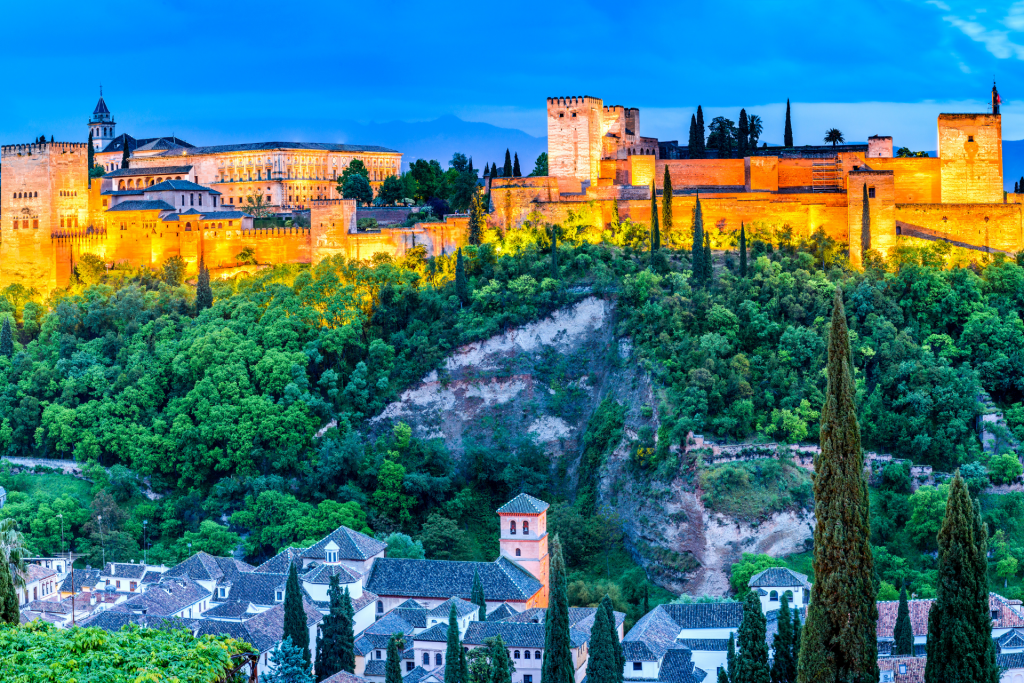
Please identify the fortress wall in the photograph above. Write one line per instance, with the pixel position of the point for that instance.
(512, 199)
(971, 157)
(331, 222)
(701, 172)
(795, 172)
(917, 179)
(761, 173)
(997, 226)
(881, 212)
(574, 137)
(642, 170)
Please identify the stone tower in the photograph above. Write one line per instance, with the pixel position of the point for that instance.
(101, 125)
(524, 538)
(575, 138)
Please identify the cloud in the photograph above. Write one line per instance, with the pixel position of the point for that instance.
(996, 40)
(941, 5)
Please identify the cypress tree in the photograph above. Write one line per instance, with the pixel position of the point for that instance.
(960, 647)
(204, 295)
(6, 338)
(903, 635)
(700, 133)
(295, 626)
(697, 246)
(647, 597)
(743, 135)
(784, 660)
(752, 661)
(451, 655)
(125, 153)
(347, 635)
(329, 639)
(501, 665)
(788, 134)
(461, 283)
(666, 206)
(692, 147)
(1021, 183)
(620, 656)
(865, 225)
(842, 616)
(601, 662)
(393, 665)
(655, 231)
(554, 252)
(797, 630)
(91, 160)
(506, 171)
(476, 220)
(557, 666)
(1016, 187)
(730, 657)
(743, 250)
(477, 596)
(516, 173)
(8, 597)
(707, 262)
(723, 677)
(463, 666)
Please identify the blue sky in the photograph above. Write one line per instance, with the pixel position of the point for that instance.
(214, 72)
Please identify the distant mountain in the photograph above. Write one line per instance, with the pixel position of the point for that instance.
(1013, 163)
(441, 138)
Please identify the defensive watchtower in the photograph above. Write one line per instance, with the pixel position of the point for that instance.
(524, 537)
(101, 125)
(575, 138)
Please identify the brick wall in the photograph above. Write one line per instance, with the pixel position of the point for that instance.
(701, 172)
(994, 226)
(574, 137)
(917, 179)
(761, 174)
(971, 155)
(879, 146)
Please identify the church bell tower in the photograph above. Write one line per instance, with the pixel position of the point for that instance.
(101, 125)
(524, 539)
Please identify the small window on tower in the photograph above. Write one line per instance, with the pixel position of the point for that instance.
(871, 193)
(561, 116)
(970, 138)
(574, 114)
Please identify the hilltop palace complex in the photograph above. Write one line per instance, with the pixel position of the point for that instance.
(176, 199)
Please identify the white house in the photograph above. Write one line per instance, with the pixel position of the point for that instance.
(771, 584)
(681, 641)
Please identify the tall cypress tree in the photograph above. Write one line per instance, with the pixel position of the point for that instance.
(784, 660)
(743, 135)
(125, 153)
(328, 635)
(204, 295)
(6, 339)
(476, 219)
(554, 252)
(797, 630)
(839, 641)
(730, 657)
(788, 134)
(691, 146)
(700, 133)
(743, 250)
(8, 597)
(903, 634)
(461, 283)
(477, 596)
(393, 664)
(347, 635)
(697, 246)
(516, 173)
(666, 206)
(295, 626)
(463, 666)
(601, 662)
(655, 230)
(752, 661)
(706, 261)
(506, 171)
(620, 655)
(960, 647)
(451, 655)
(501, 664)
(557, 666)
(91, 160)
(865, 225)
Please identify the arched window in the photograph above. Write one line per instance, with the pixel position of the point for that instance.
(526, 528)
(518, 552)
(536, 654)
(515, 655)
(188, 227)
(426, 659)
(512, 527)
(774, 596)
(437, 659)
(526, 654)
(36, 194)
(380, 607)
(789, 596)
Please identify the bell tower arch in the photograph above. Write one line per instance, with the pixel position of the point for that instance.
(524, 538)
(101, 125)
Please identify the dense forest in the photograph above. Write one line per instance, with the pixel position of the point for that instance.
(247, 422)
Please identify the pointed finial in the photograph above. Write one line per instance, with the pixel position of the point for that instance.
(101, 91)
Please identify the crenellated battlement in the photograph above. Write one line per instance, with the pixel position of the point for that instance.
(574, 101)
(42, 148)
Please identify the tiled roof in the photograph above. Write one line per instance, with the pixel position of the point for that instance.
(914, 667)
(205, 567)
(678, 667)
(417, 616)
(706, 615)
(352, 545)
(365, 599)
(415, 676)
(462, 608)
(502, 580)
(779, 577)
(321, 574)
(123, 193)
(264, 630)
(346, 677)
(435, 634)
(152, 577)
(1014, 660)
(165, 598)
(178, 185)
(118, 143)
(142, 205)
(33, 572)
(705, 644)
(375, 667)
(124, 570)
(366, 643)
(269, 146)
(142, 170)
(54, 606)
(651, 636)
(1007, 613)
(524, 504)
(1012, 639)
(280, 563)
(257, 588)
(228, 610)
(502, 611)
(114, 620)
(513, 633)
(389, 624)
(101, 108)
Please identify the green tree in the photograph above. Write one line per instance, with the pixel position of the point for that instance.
(706, 261)
(784, 659)
(554, 252)
(295, 626)
(787, 136)
(204, 294)
(355, 167)
(393, 665)
(392, 191)
(666, 207)
(477, 597)
(697, 246)
(516, 173)
(125, 153)
(834, 135)
(501, 664)
(730, 657)
(722, 134)
(477, 218)
(613, 634)
(444, 540)
(346, 633)
(752, 661)
(506, 170)
(6, 338)
(8, 597)
(842, 616)
(540, 167)
(692, 148)
(402, 546)
(743, 250)
(960, 647)
(557, 666)
(212, 538)
(174, 271)
(90, 269)
(743, 138)
(335, 641)
(602, 662)
(700, 133)
(903, 634)
(461, 282)
(289, 665)
(358, 188)
(451, 656)
(756, 126)
(389, 498)
(655, 230)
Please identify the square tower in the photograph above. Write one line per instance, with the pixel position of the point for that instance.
(971, 158)
(524, 537)
(575, 138)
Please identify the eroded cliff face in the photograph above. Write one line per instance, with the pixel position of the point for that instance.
(542, 382)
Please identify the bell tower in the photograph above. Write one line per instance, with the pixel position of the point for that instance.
(524, 538)
(101, 125)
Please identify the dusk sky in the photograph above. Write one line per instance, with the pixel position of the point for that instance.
(218, 72)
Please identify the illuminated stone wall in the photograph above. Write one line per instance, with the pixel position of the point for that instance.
(761, 174)
(991, 226)
(880, 146)
(917, 179)
(701, 173)
(882, 211)
(574, 137)
(642, 170)
(971, 155)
